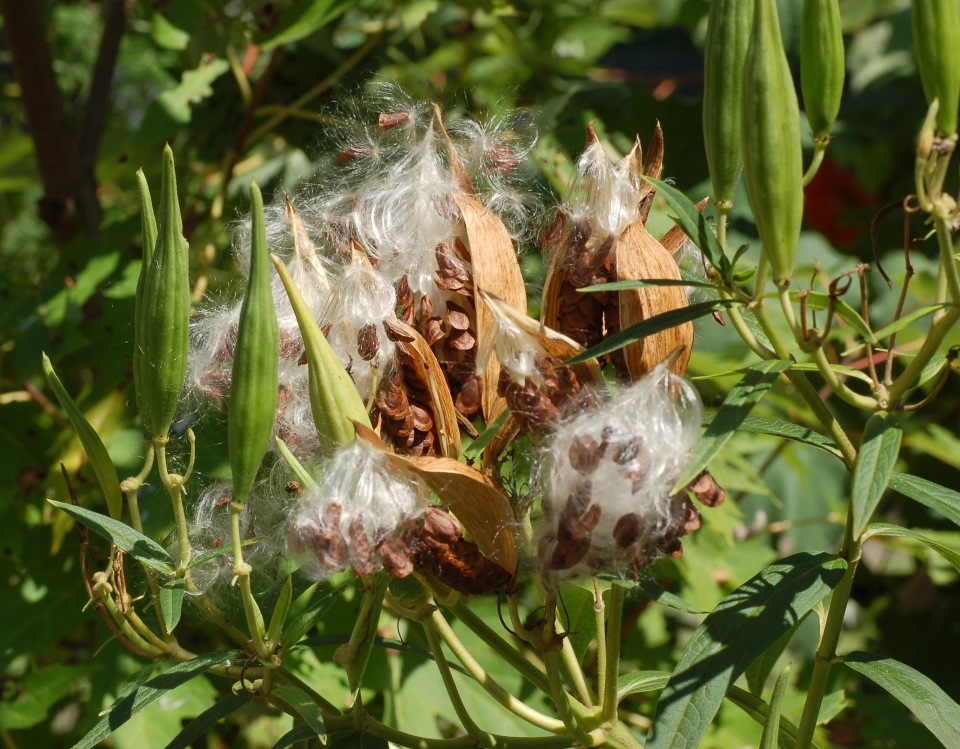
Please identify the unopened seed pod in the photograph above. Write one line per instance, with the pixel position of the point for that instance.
(334, 400)
(164, 325)
(149, 239)
(822, 64)
(728, 33)
(253, 389)
(936, 42)
(770, 132)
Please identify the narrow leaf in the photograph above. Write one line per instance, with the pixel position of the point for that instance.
(736, 407)
(796, 366)
(760, 669)
(303, 623)
(741, 627)
(475, 449)
(302, 732)
(928, 702)
(886, 530)
(757, 709)
(171, 601)
(92, 444)
(641, 681)
(785, 429)
(936, 497)
(123, 709)
(280, 610)
(906, 320)
(197, 727)
(302, 19)
(307, 709)
(655, 324)
(878, 455)
(642, 284)
(691, 220)
(771, 729)
(135, 544)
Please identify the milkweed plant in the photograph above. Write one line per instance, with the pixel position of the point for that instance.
(399, 423)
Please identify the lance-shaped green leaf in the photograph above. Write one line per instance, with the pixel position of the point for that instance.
(198, 727)
(133, 543)
(164, 325)
(334, 399)
(280, 610)
(760, 669)
(928, 702)
(887, 530)
(758, 709)
(936, 497)
(475, 449)
(304, 622)
(146, 694)
(741, 627)
(642, 284)
(692, 221)
(92, 444)
(647, 586)
(148, 233)
(878, 455)
(655, 324)
(736, 407)
(305, 707)
(785, 429)
(171, 601)
(641, 681)
(771, 729)
(917, 314)
(253, 389)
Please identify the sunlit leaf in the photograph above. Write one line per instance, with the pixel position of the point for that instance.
(887, 530)
(691, 220)
(878, 455)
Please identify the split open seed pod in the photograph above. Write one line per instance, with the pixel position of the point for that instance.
(605, 240)
(493, 265)
(480, 506)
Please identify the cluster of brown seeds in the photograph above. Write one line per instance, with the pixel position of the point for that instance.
(538, 407)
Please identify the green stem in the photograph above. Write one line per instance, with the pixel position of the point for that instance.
(506, 651)
(496, 691)
(827, 650)
(464, 742)
(722, 226)
(575, 672)
(129, 632)
(242, 572)
(482, 737)
(819, 148)
(948, 263)
(931, 344)
(561, 700)
(830, 377)
(174, 485)
(599, 613)
(611, 674)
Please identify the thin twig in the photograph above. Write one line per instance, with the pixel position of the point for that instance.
(908, 210)
(863, 269)
(951, 356)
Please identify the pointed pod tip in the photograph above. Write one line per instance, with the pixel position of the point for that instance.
(591, 134)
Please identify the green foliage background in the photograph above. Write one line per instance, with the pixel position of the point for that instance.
(622, 63)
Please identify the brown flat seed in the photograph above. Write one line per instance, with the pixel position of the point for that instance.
(580, 527)
(389, 120)
(673, 547)
(360, 553)
(433, 330)
(625, 453)
(499, 159)
(421, 418)
(447, 284)
(352, 152)
(468, 399)
(554, 233)
(465, 341)
(396, 556)
(627, 530)
(426, 307)
(462, 249)
(368, 343)
(456, 317)
(692, 520)
(441, 525)
(291, 346)
(706, 489)
(584, 454)
(566, 555)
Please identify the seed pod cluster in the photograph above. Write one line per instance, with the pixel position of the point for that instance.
(600, 237)
(607, 475)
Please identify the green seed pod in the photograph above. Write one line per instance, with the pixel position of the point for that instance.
(253, 389)
(770, 130)
(164, 325)
(334, 399)
(149, 234)
(92, 444)
(936, 42)
(728, 33)
(822, 64)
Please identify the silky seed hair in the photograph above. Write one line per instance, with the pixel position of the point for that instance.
(360, 501)
(616, 460)
(603, 193)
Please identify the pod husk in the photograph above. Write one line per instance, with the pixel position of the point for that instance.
(429, 371)
(641, 256)
(480, 506)
(493, 264)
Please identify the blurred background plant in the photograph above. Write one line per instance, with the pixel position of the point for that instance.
(89, 91)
